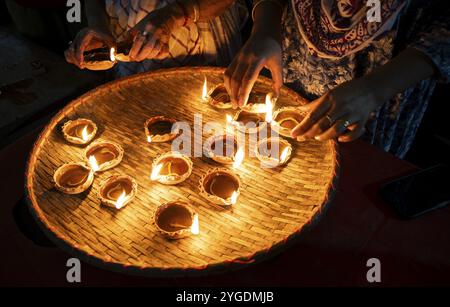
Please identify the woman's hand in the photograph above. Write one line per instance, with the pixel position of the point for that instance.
(151, 34)
(341, 113)
(87, 39)
(259, 51)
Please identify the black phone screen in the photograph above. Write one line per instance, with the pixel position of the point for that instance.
(420, 192)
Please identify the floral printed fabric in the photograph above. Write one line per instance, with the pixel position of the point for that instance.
(393, 126)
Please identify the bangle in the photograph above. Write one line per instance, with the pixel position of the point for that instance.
(261, 1)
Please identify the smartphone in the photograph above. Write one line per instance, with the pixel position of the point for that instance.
(420, 192)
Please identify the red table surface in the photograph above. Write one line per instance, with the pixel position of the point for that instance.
(358, 225)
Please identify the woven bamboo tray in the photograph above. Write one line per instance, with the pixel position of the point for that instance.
(272, 210)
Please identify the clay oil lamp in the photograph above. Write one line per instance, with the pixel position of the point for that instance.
(73, 178)
(171, 168)
(286, 119)
(225, 149)
(176, 220)
(158, 129)
(257, 102)
(105, 58)
(117, 191)
(103, 155)
(218, 97)
(220, 186)
(273, 152)
(80, 131)
(248, 122)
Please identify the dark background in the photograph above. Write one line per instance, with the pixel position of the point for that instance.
(44, 23)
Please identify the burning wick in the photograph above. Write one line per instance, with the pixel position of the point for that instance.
(112, 54)
(93, 163)
(84, 134)
(238, 158)
(195, 229)
(269, 107)
(284, 155)
(149, 139)
(121, 200)
(233, 198)
(155, 172)
(205, 90)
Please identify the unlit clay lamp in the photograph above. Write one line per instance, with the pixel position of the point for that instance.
(225, 149)
(286, 119)
(73, 178)
(117, 191)
(220, 186)
(176, 220)
(103, 155)
(79, 131)
(171, 168)
(158, 129)
(273, 152)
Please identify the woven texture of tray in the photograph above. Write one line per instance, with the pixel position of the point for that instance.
(273, 208)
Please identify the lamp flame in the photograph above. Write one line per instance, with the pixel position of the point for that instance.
(205, 90)
(84, 134)
(195, 228)
(149, 138)
(93, 163)
(112, 54)
(284, 154)
(269, 108)
(233, 199)
(229, 118)
(238, 158)
(121, 200)
(155, 172)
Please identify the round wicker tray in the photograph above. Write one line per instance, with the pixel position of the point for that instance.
(272, 210)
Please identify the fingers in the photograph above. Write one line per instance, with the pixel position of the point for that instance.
(227, 79)
(354, 133)
(318, 109)
(138, 42)
(338, 128)
(276, 69)
(245, 85)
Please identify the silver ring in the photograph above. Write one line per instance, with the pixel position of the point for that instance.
(346, 124)
(329, 120)
(145, 33)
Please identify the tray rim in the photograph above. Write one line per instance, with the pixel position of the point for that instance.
(213, 268)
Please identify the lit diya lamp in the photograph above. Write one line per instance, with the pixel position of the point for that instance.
(286, 119)
(73, 178)
(105, 58)
(218, 97)
(220, 186)
(103, 155)
(273, 152)
(251, 122)
(117, 191)
(171, 168)
(225, 149)
(158, 129)
(258, 102)
(176, 220)
(80, 131)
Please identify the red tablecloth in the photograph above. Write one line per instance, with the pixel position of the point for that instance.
(358, 225)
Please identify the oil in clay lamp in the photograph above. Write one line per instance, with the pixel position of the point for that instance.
(117, 191)
(286, 119)
(273, 152)
(171, 168)
(158, 129)
(175, 220)
(103, 155)
(80, 131)
(225, 149)
(220, 186)
(73, 178)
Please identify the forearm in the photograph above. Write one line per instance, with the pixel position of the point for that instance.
(405, 70)
(96, 14)
(267, 18)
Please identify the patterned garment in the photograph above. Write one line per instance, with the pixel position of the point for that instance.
(315, 63)
(204, 43)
